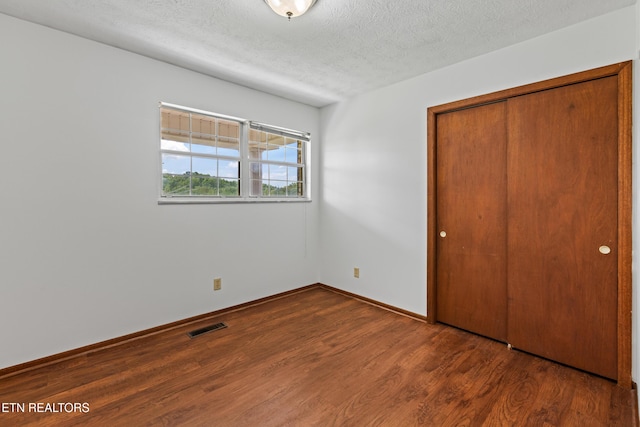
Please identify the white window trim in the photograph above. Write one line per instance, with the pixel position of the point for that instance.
(245, 184)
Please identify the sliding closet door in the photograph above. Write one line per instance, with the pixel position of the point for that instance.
(471, 242)
(562, 224)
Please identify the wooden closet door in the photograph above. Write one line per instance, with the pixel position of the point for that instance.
(562, 221)
(471, 202)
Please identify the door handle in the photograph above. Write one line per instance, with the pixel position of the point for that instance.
(443, 233)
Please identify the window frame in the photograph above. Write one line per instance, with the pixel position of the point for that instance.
(274, 133)
(244, 161)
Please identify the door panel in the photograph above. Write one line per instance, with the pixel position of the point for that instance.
(471, 210)
(562, 207)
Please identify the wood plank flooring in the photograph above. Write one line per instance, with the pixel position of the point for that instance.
(315, 358)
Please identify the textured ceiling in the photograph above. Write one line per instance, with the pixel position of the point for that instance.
(340, 48)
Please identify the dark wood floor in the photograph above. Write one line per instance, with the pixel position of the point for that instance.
(316, 358)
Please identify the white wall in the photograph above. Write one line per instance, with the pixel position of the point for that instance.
(373, 211)
(86, 253)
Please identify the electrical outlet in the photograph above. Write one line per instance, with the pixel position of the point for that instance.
(217, 284)
(356, 272)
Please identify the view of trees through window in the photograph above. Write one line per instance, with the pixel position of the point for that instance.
(198, 184)
(206, 185)
(202, 156)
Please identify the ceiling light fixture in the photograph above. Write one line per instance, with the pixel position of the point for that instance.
(290, 8)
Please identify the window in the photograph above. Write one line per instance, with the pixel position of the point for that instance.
(276, 162)
(210, 157)
(200, 154)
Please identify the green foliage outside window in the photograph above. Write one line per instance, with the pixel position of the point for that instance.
(207, 185)
(200, 184)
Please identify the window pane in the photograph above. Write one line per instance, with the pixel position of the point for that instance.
(204, 125)
(228, 138)
(228, 129)
(228, 169)
(294, 189)
(278, 188)
(203, 144)
(254, 170)
(176, 174)
(175, 130)
(275, 139)
(294, 152)
(175, 144)
(228, 147)
(257, 136)
(205, 166)
(175, 121)
(175, 185)
(229, 187)
(257, 187)
(204, 185)
(256, 150)
(203, 134)
(277, 172)
(176, 164)
(275, 153)
(204, 179)
(294, 173)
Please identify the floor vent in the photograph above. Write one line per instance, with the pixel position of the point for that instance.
(206, 329)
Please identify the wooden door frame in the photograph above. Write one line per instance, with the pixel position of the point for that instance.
(623, 71)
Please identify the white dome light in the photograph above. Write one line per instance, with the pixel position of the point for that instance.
(290, 8)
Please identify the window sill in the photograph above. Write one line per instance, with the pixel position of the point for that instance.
(226, 200)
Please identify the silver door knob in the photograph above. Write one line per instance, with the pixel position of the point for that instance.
(443, 233)
(604, 250)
